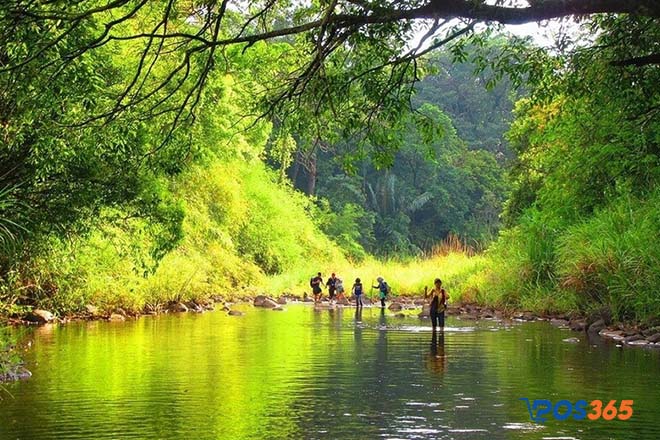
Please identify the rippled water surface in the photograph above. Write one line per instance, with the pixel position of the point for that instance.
(310, 374)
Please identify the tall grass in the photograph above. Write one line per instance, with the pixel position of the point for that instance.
(613, 259)
(610, 261)
(406, 277)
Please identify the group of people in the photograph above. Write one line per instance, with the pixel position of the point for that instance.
(438, 295)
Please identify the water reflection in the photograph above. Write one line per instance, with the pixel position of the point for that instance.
(336, 374)
(436, 361)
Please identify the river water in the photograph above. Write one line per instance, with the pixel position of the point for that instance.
(325, 374)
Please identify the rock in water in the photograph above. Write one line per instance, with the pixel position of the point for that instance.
(117, 317)
(177, 308)
(633, 338)
(571, 340)
(40, 316)
(654, 338)
(561, 323)
(194, 307)
(577, 325)
(278, 309)
(395, 307)
(264, 301)
(235, 313)
(638, 342)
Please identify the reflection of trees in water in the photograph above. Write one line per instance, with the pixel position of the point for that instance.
(436, 360)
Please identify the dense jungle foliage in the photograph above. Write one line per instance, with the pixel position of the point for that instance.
(114, 196)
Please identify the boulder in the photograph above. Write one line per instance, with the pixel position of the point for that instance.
(91, 310)
(194, 307)
(638, 342)
(651, 331)
(265, 302)
(268, 304)
(40, 316)
(281, 300)
(654, 338)
(617, 335)
(597, 326)
(633, 338)
(419, 302)
(259, 300)
(528, 316)
(177, 308)
(577, 325)
(561, 323)
(395, 307)
(116, 317)
(235, 313)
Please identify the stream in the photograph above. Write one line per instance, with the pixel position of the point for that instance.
(329, 374)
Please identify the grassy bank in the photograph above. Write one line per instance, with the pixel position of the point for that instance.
(406, 277)
(241, 226)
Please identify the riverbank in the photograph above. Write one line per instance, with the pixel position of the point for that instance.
(592, 327)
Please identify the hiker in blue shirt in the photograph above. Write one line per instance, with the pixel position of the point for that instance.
(383, 289)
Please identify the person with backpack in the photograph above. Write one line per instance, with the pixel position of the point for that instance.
(332, 286)
(315, 283)
(438, 297)
(383, 289)
(339, 284)
(357, 291)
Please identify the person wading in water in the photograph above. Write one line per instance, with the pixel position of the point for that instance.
(438, 297)
(315, 284)
(332, 286)
(383, 290)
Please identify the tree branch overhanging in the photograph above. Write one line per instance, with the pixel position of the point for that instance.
(328, 27)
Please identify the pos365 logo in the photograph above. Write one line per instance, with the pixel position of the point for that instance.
(565, 409)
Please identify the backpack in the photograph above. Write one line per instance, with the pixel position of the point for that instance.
(388, 289)
(311, 282)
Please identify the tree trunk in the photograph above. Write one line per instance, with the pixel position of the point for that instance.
(311, 175)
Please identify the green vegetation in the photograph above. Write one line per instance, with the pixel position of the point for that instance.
(149, 158)
(583, 210)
